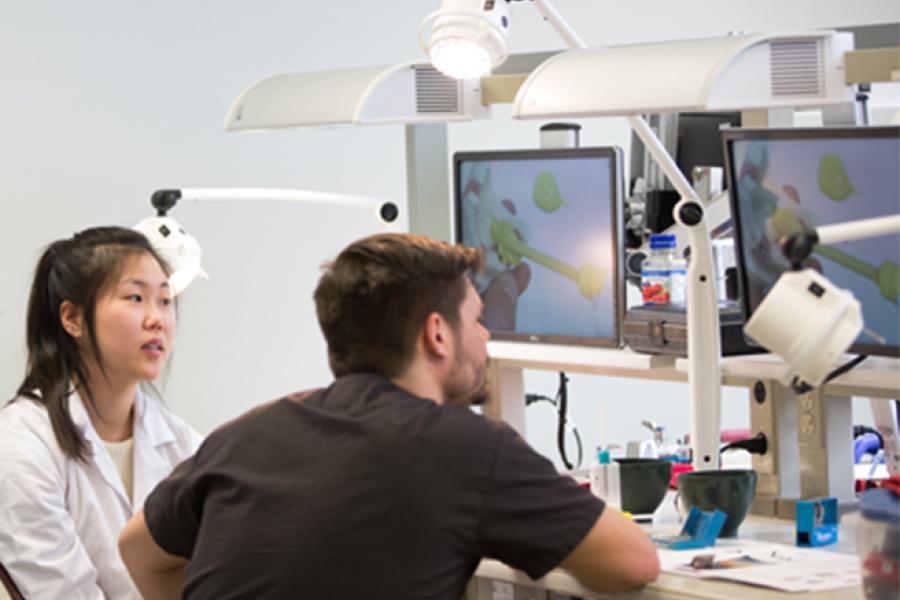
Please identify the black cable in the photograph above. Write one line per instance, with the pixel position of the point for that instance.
(579, 446)
(533, 398)
(801, 387)
(562, 407)
(844, 368)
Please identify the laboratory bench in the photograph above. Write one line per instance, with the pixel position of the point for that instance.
(494, 580)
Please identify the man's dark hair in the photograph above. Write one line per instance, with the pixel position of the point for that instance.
(372, 300)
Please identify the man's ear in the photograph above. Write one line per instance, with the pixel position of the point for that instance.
(437, 336)
(72, 319)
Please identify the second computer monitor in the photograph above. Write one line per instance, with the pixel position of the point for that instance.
(784, 181)
(549, 223)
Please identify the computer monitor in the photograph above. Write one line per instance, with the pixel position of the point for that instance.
(786, 180)
(549, 223)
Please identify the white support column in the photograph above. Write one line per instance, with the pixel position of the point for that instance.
(883, 412)
(428, 191)
(507, 396)
(773, 412)
(825, 439)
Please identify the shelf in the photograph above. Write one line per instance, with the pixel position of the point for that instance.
(582, 359)
(876, 377)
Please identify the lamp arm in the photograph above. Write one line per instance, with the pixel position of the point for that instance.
(855, 230)
(559, 24)
(164, 200)
(798, 247)
(704, 343)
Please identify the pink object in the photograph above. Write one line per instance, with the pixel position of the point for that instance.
(676, 469)
(734, 435)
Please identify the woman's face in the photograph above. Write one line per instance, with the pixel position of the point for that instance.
(134, 322)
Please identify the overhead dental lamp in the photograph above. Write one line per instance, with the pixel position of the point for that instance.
(467, 38)
(182, 251)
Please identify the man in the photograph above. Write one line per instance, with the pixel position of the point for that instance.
(385, 484)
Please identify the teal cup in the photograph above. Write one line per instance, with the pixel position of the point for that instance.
(643, 483)
(729, 490)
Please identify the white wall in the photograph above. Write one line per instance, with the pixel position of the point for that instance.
(102, 102)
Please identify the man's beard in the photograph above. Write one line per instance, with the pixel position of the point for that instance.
(458, 391)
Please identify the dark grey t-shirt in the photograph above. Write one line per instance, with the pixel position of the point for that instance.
(362, 490)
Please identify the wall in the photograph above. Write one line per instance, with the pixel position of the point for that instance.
(105, 101)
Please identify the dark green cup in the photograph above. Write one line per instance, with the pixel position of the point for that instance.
(643, 483)
(729, 490)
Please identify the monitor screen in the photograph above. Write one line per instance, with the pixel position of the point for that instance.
(785, 180)
(549, 224)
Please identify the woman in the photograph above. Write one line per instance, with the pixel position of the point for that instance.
(81, 446)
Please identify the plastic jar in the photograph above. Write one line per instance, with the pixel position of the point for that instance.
(878, 544)
(663, 274)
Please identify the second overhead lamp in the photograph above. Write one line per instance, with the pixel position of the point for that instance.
(467, 38)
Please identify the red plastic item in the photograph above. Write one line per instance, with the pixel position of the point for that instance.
(676, 469)
(892, 483)
(734, 435)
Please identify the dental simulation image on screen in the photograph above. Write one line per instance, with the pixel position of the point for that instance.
(786, 181)
(547, 223)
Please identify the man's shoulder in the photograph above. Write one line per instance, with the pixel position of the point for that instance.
(247, 424)
(254, 416)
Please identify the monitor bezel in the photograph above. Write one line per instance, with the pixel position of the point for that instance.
(616, 199)
(730, 136)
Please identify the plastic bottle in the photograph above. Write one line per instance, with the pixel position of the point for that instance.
(663, 274)
(613, 483)
(605, 479)
(598, 474)
(666, 449)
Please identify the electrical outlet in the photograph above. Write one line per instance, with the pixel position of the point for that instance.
(807, 424)
(806, 402)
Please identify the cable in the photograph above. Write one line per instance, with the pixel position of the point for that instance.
(758, 444)
(801, 387)
(562, 396)
(566, 422)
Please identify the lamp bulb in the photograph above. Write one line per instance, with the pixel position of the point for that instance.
(460, 58)
(465, 39)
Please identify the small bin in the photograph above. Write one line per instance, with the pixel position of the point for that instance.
(878, 544)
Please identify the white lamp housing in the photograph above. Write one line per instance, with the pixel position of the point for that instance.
(807, 321)
(406, 93)
(177, 247)
(739, 72)
(468, 38)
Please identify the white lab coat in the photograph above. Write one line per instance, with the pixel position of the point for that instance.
(60, 518)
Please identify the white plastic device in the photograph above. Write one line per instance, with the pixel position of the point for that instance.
(809, 322)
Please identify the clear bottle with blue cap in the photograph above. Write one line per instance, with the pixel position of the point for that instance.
(605, 481)
(663, 273)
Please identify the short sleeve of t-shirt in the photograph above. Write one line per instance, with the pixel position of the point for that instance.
(533, 517)
(172, 510)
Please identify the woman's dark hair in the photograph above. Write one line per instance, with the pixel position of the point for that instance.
(372, 301)
(78, 269)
